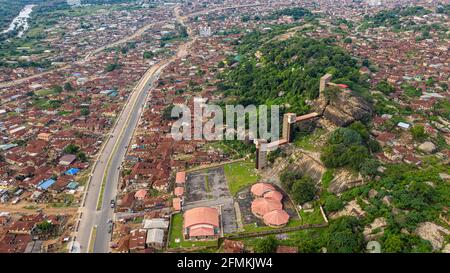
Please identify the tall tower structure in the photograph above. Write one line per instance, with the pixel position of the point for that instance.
(324, 82)
(261, 153)
(288, 126)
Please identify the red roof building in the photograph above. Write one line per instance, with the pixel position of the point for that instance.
(180, 178)
(276, 218)
(262, 206)
(259, 189)
(201, 223)
(274, 195)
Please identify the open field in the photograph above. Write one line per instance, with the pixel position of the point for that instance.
(240, 175)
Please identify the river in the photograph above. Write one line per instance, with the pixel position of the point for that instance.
(21, 21)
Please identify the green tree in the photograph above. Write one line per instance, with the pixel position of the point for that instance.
(385, 87)
(71, 149)
(84, 111)
(167, 113)
(288, 177)
(148, 54)
(266, 245)
(68, 86)
(57, 89)
(345, 236)
(303, 190)
(369, 167)
(81, 156)
(393, 244)
(45, 227)
(333, 203)
(418, 133)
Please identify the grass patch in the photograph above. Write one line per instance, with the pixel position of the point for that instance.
(44, 92)
(240, 175)
(254, 228)
(176, 232)
(207, 188)
(327, 177)
(92, 239)
(309, 218)
(102, 190)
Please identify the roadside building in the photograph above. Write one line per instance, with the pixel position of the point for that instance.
(201, 223)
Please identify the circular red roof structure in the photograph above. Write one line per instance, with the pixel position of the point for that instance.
(262, 206)
(276, 218)
(274, 195)
(259, 189)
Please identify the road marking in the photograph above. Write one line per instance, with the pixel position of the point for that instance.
(92, 239)
(153, 71)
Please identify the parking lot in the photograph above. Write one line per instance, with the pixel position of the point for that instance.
(209, 188)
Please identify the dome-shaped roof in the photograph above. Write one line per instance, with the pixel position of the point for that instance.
(276, 218)
(274, 195)
(259, 189)
(261, 206)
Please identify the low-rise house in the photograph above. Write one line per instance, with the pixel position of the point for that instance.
(66, 160)
(155, 238)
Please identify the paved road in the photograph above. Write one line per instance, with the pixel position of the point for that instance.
(110, 158)
(112, 154)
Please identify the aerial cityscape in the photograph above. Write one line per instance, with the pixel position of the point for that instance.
(224, 126)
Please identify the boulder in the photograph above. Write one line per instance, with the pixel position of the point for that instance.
(346, 109)
(372, 193)
(427, 147)
(387, 200)
(345, 180)
(433, 233)
(444, 176)
(446, 249)
(375, 229)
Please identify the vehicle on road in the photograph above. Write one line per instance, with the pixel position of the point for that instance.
(113, 203)
(110, 227)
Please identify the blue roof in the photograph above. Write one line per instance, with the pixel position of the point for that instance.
(72, 171)
(44, 185)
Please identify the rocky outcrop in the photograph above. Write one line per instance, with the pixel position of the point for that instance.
(351, 209)
(305, 161)
(344, 109)
(344, 180)
(375, 230)
(433, 233)
(427, 147)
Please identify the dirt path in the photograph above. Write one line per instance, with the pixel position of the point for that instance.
(22, 208)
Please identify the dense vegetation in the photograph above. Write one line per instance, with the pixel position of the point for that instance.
(393, 18)
(10, 9)
(288, 72)
(301, 187)
(351, 147)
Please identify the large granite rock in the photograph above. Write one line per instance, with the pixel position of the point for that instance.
(375, 230)
(344, 109)
(427, 147)
(433, 233)
(345, 180)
